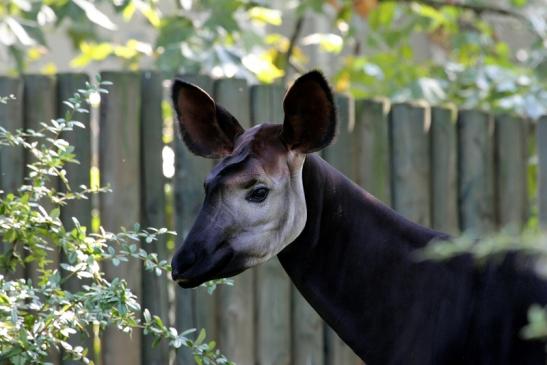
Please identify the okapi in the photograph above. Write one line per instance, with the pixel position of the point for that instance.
(350, 256)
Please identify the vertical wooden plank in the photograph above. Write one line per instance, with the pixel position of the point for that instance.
(12, 159)
(307, 329)
(12, 164)
(511, 155)
(410, 165)
(341, 155)
(371, 148)
(476, 172)
(154, 288)
(78, 175)
(273, 288)
(119, 161)
(195, 308)
(40, 99)
(542, 184)
(444, 170)
(236, 304)
(39, 91)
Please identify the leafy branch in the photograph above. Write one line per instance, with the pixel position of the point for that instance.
(292, 43)
(478, 9)
(41, 314)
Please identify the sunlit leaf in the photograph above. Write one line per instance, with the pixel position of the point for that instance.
(328, 42)
(35, 53)
(382, 15)
(7, 37)
(519, 3)
(129, 11)
(95, 15)
(436, 16)
(23, 4)
(265, 15)
(92, 52)
(49, 69)
(19, 32)
(46, 15)
(263, 67)
(151, 14)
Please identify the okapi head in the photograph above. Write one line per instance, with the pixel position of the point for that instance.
(254, 197)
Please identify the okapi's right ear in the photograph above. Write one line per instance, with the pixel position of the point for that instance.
(310, 115)
(207, 129)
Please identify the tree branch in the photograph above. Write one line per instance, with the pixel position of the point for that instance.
(292, 42)
(476, 8)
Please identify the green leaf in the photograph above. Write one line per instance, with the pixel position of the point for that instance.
(147, 316)
(382, 16)
(55, 213)
(265, 15)
(429, 12)
(201, 337)
(519, 3)
(174, 29)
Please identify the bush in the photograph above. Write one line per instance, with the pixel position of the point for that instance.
(41, 315)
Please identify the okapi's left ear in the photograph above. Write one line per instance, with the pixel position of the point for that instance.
(207, 129)
(310, 115)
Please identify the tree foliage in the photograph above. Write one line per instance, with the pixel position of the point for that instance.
(470, 63)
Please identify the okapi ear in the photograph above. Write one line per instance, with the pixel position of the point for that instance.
(310, 115)
(208, 130)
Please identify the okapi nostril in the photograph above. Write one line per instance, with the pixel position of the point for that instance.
(182, 263)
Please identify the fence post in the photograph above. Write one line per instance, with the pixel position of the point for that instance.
(542, 184)
(476, 172)
(511, 171)
(40, 93)
(236, 304)
(341, 156)
(273, 288)
(444, 170)
(307, 331)
(371, 148)
(78, 175)
(119, 161)
(195, 308)
(12, 159)
(410, 165)
(154, 287)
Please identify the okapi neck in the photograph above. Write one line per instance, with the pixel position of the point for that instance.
(353, 261)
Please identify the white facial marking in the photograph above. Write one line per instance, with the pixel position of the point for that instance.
(260, 230)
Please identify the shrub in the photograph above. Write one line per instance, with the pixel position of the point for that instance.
(41, 315)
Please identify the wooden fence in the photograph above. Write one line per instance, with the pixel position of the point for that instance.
(448, 170)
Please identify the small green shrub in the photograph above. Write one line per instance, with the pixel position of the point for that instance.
(39, 316)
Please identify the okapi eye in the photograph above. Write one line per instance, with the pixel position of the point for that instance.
(258, 195)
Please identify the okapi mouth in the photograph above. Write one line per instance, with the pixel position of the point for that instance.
(223, 268)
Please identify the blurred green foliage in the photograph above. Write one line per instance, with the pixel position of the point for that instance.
(374, 40)
(43, 314)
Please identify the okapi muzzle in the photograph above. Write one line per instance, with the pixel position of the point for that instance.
(254, 197)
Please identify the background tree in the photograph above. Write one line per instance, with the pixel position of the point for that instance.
(470, 62)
